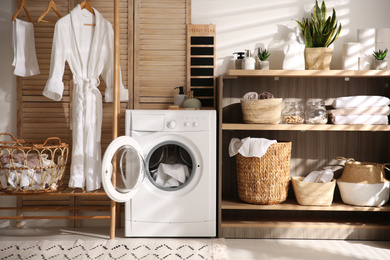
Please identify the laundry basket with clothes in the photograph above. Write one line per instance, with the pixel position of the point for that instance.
(263, 169)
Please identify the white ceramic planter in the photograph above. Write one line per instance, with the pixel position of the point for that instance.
(264, 65)
(362, 194)
(380, 64)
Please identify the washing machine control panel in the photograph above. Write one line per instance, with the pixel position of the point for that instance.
(187, 123)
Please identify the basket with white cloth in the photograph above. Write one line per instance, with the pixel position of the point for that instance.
(263, 178)
(30, 168)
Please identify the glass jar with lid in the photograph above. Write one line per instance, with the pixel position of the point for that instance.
(316, 113)
(293, 113)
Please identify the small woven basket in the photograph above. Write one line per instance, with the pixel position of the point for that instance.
(362, 172)
(32, 168)
(265, 180)
(313, 194)
(262, 111)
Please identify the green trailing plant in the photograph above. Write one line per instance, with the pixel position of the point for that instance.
(319, 31)
(263, 54)
(380, 54)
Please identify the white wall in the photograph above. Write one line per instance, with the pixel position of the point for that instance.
(246, 24)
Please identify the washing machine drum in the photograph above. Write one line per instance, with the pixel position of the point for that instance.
(123, 156)
(170, 166)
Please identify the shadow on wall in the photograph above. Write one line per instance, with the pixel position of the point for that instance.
(248, 24)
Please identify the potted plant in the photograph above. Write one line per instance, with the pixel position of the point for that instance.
(380, 62)
(263, 56)
(319, 33)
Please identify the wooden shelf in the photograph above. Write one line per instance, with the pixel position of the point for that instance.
(238, 219)
(305, 127)
(290, 224)
(62, 191)
(293, 205)
(310, 73)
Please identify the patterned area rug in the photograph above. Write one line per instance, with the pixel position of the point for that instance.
(144, 249)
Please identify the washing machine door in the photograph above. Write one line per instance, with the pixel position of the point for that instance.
(124, 156)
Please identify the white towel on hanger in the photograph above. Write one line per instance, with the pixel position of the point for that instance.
(25, 58)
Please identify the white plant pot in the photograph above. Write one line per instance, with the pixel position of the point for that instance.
(264, 65)
(380, 64)
(364, 194)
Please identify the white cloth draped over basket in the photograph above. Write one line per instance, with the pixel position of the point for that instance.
(249, 147)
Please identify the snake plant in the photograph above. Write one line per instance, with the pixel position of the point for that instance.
(380, 54)
(319, 31)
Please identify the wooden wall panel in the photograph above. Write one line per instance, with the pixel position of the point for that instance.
(159, 51)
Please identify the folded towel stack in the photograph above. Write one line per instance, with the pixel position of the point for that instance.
(360, 110)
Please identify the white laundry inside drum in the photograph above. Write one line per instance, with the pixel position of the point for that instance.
(170, 166)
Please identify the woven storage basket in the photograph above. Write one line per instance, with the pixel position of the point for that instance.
(313, 194)
(31, 168)
(362, 172)
(265, 180)
(261, 111)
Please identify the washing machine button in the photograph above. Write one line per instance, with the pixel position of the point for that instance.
(171, 124)
(187, 124)
(195, 124)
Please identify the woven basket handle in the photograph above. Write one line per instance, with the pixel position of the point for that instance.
(16, 140)
(40, 146)
(384, 166)
(344, 159)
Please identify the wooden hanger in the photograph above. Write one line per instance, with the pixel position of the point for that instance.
(22, 5)
(86, 5)
(51, 5)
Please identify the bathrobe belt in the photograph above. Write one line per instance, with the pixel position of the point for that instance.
(91, 87)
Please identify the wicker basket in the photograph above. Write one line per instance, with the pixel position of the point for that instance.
(313, 194)
(362, 172)
(262, 111)
(31, 168)
(265, 180)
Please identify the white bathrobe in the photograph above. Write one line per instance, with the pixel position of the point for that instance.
(89, 51)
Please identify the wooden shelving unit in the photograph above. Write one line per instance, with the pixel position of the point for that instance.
(314, 146)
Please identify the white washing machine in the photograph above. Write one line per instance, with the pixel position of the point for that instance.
(166, 173)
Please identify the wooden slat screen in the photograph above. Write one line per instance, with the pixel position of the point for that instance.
(159, 51)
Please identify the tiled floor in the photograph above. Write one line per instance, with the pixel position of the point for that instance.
(237, 249)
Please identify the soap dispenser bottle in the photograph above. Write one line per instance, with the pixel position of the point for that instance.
(238, 60)
(248, 63)
(192, 102)
(180, 98)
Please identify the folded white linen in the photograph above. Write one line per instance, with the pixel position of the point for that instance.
(250, 96)
(360, 101)
(360, 120)
(383, 110)
(171, 175)
(249, 147)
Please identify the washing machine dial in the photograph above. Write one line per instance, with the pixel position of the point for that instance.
(171, 124)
